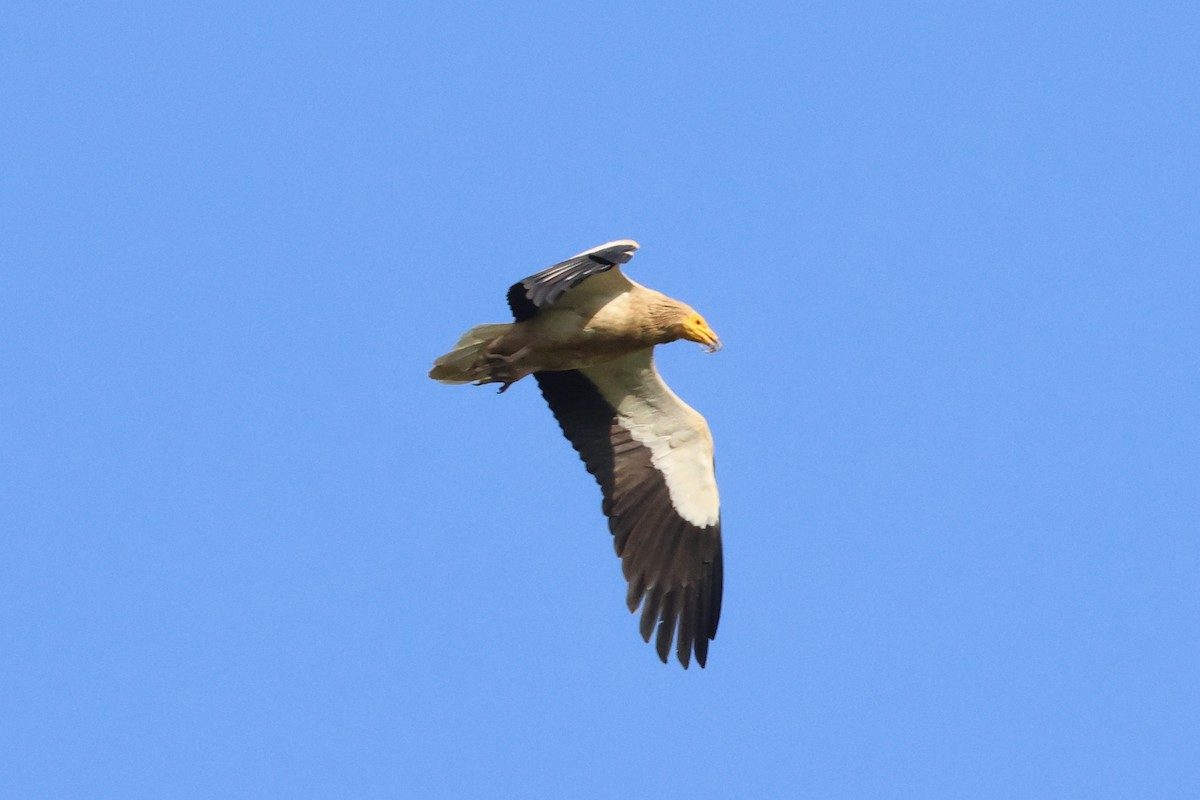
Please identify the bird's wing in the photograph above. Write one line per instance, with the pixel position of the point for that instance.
(546, 287)
(653, 458)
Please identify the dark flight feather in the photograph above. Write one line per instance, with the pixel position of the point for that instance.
(544, 288)
(674, 568)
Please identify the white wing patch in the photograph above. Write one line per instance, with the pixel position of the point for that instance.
(677, 435)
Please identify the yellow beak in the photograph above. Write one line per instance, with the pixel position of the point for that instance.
(698, 331)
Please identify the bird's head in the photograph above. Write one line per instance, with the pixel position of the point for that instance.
(695, 329)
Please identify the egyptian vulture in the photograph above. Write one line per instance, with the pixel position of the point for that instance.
(587, 334)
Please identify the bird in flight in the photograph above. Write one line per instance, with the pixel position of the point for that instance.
(587, 334)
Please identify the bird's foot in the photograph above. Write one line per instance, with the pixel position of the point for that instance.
(497, 368)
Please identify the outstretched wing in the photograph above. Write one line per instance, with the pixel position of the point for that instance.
(652, 456)
(546, 287)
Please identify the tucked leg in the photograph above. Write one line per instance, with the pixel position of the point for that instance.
(497, 368)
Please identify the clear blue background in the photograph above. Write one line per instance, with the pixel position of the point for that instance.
(250, 550)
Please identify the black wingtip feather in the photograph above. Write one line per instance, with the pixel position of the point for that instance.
(637, 589)
(686, 633)
(650, 608)
(666, 624)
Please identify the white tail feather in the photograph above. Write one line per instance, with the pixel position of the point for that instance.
(455, 366)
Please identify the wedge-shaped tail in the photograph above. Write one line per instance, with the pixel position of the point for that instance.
(455, 366)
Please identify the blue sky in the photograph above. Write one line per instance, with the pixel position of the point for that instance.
(250, 550)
